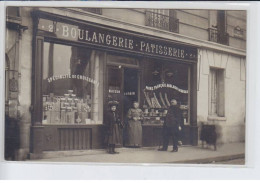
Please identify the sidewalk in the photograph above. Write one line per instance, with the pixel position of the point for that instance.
(186, 154)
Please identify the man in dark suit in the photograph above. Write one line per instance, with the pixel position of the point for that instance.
(171, 126)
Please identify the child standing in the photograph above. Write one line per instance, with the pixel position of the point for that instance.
(114, 124)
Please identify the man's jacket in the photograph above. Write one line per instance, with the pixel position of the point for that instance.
(173, 117)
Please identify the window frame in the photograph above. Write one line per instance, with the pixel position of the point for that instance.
(37, 72)
(170, 14)
(220, 93)
(215, 33)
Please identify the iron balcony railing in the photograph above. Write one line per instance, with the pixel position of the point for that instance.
(218, 37)
(161, 21)
(93, 10)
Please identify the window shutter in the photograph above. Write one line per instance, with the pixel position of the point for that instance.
(221, 93)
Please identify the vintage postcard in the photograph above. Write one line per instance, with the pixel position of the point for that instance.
(125, 85)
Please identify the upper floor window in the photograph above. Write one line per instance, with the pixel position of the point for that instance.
(216, 93)
(162, 19)
(13, 11)
(218, 30)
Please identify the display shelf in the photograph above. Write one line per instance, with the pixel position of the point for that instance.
(67, 109)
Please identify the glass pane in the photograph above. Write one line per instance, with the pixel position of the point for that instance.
(213, 75)
(162, 83)
(131, 82)
(114, 84)
(71, 84)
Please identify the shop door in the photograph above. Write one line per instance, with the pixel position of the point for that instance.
(131, 82)
(123, 86)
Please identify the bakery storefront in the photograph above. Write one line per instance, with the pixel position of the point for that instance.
(79, 66)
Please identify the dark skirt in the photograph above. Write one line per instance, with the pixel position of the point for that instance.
(134, 134)
(114, 135)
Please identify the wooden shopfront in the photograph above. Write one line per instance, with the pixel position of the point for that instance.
(79, 66)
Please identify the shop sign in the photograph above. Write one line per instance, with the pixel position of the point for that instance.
(118, 40)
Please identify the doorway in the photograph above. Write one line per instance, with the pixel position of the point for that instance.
(123, 86)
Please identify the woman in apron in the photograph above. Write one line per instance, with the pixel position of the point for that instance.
(134, 126)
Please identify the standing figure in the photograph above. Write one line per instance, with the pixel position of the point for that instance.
(171, 126)
(134, 126)
(113, 127)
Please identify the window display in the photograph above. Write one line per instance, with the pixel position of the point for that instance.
(72, 80)
(163, 82)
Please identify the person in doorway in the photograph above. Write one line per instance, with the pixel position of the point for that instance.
(134, 126)
(171, 126)
(113, 127)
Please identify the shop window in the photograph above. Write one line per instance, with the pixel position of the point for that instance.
(162, 19)
(217, 30)
(72, 85)
(164, 81)
(216, 92)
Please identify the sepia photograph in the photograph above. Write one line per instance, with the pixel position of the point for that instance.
(125, 85)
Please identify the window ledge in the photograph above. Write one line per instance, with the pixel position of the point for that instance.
(216, 118)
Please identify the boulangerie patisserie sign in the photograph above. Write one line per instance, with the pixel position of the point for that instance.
(111, 38)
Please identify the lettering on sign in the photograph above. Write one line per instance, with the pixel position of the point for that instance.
(113, 91)
(73, 76)
(129, 93)
(115, 39)
(166, 85)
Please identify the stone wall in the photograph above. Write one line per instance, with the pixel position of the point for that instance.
(231, 127)
(25, 83)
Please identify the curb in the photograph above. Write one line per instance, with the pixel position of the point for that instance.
(211, 160)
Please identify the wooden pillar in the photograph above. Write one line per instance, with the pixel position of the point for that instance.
(95, 93)
(37, 83)
(50, 68)
(36, 108)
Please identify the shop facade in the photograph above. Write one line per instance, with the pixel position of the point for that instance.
(82, 66)
(79, 62)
